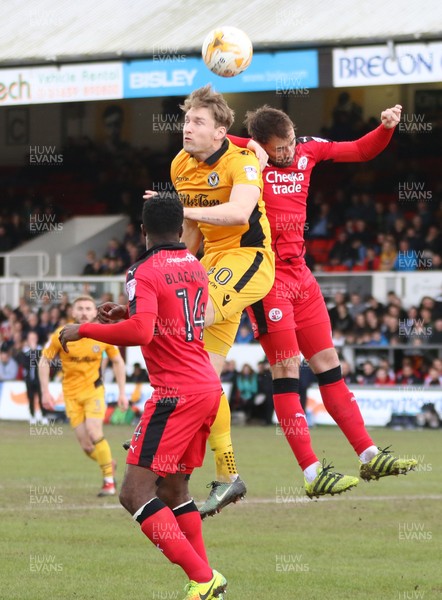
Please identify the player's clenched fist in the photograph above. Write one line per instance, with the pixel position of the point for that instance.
(391, 116)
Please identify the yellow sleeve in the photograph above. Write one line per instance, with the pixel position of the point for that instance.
(53, 346)
(111, 350)
(244, 168)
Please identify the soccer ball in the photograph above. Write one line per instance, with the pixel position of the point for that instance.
(227, 51)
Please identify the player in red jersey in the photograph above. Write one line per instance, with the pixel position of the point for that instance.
(168, 293)
(293, 317)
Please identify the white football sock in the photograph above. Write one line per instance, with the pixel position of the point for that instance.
(368, 454)
(311, 472)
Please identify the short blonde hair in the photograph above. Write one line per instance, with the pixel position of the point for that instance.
(206, 97)
(83, 298)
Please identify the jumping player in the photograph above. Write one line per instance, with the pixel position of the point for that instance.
(293, 317)
(220, 187)
(168, 295)
(83, 389)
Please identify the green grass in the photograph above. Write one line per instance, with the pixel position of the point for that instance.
(61, 542)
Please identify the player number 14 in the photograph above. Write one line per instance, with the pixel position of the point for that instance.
(192, 318)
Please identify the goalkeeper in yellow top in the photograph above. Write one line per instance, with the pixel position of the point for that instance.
(83, 389)
(220, 187)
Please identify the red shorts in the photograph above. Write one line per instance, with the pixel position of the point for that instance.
(172, 433)
(295, 305)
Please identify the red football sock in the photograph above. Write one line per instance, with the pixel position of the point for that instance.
(341, 404)
(189, 521)
(163, 530)
(292, 420)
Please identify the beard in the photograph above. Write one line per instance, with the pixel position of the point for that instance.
(281, 163)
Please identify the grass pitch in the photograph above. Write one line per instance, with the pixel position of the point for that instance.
(380, 541)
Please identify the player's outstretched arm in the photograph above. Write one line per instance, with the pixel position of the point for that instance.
(43, 373)
(109, 312)
(192, 236)
(242, 201)
(120, 376)
(390, 117)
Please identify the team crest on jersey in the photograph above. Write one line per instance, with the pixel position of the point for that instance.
(130, 288)
(275, 314)
(96, 348)
(251, 173)
(302, 163)
(213, 179)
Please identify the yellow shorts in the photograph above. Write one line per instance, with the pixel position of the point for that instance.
(89, 407)
(237, 279)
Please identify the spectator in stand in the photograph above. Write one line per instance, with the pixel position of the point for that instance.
(382, 377)
(347, 373)
(392, 215)
(373, 303)
(342, 320)
(322, 226)
(139, 375)
(264, 397)
(32, 323)
(387, 256)
(368, 374)
(44, 326)
(244, 335)
(407, 375)
(436, 334)
(89, 268)
(229, 374)
(28, 359)
(360, 328)
(356, 306)
(8, 366)
(247, 388)
(342, 253)
(406, 259)
(433, 377)
(433, 240)
(399, 229)
(416, 243)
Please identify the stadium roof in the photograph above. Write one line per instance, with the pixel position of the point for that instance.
(44, 31)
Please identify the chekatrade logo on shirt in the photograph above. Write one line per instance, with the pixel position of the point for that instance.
(302, 163)
(213, 179)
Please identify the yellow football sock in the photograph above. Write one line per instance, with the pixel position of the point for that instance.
(221, 443)
(102, 454)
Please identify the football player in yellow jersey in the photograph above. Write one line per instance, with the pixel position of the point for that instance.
(220, 186)
(83, 389)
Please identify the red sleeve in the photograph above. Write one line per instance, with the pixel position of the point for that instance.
(136, 331)
(365, 148)
(239, 141)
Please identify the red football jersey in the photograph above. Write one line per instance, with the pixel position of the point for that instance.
(171, 283)
(286, 189)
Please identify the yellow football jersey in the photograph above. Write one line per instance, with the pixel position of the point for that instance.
(81, 365)
(210, 182)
